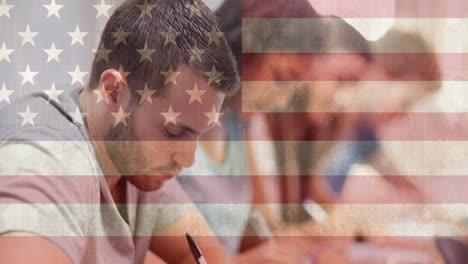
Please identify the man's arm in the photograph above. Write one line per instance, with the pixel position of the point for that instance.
(170, 243)
(28, 230)
(20, 247)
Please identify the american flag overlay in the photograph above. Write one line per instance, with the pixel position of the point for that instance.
(346, 142)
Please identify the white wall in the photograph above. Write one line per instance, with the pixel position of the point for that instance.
(213, 4)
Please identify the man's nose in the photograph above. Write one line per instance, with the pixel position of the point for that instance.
(184, 153)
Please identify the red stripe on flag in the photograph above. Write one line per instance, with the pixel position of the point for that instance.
(352, 247)
(277, 9)
(445, 190)
(452, 64)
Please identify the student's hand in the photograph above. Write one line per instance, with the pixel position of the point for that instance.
(422, 244)
(328, 232)
(332, 255)
(279, 251)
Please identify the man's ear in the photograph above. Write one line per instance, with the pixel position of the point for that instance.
(114, 89)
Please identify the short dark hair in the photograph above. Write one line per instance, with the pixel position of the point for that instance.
(342, 36)
(278, 34)
(416, 57)
(190, 19)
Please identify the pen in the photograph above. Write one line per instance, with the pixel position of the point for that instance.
(260, 225)
(315, 210)
(196, 252)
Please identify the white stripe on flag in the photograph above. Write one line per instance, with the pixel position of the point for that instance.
(346, 220)
(368, 96)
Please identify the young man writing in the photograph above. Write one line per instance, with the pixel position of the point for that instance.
(81, 173)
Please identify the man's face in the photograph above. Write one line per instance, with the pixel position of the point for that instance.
(390, 95)
(159, 142)
(274, 81)
(337, 71)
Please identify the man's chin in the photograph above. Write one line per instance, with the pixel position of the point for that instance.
(147, 183)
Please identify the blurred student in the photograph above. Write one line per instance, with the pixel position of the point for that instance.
(219, 181)
(403, 80)
(423, 68)
(344, 57)
(129, 145)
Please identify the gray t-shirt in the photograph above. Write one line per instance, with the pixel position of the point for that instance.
(51, 185)
(222, 192)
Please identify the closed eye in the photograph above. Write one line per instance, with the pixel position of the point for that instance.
(173, 131)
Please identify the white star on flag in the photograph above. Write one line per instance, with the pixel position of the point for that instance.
(120, 36)
(146, 53)
(28, 75)
(170, 37)
(102, 9)
(196, 53)
(214, 116)
(5, 53)
(124, 74)
(146, 94)
(77, 115)
(77, 75)
(121, 117)
(28, 116)
(214, 36)
(5, 94)
(53, 53)
(53, 9)
(102, 53)
(195, 9)
(77, 36)
(195, 94)
(146, 9)
(170, 116)
(28, 36)
(53, 93)
(214, 76)
(171, 76)
(5, 9)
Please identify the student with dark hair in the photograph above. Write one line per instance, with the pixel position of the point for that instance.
(407, 77)
(299, 137)
(90, 174)
(345, 61)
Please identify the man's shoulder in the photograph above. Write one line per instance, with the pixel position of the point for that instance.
(45, 150)
(46, 157)
(38, 117)
(41, 135)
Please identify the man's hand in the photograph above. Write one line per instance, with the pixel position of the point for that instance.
(425, 245)
(171, 245)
